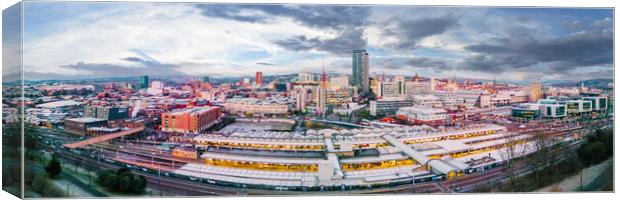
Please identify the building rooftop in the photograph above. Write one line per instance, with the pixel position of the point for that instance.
(57, 104)
(85, 119)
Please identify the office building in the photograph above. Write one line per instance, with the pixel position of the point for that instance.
(361, 68)
(422, 115)
(535, 92)
(375, 86)
(419, 87)
(578, 106)
(106, 112)
(525, 111)
(81, 125)
(157, 87)
(388, 107)
(300, 98)
(259, 78)
(427, 100)
(389, 89)
(144, 82)
(193, 120)
(553, 110)
(304, 77)
(205, 79)
(400, 82)
(598, 103)
(255, 107)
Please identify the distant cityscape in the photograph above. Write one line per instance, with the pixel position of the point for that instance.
(311, 132)
(195, 99)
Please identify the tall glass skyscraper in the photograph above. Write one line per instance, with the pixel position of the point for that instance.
(359, 77)
(144, 82)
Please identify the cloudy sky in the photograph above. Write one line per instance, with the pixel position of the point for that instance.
(76, 40)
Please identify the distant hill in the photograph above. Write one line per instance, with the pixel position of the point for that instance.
(597, 83)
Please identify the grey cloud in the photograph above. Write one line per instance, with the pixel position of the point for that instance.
(600, 74)
(495, 63)
(409, 31)
(298, 43)
(148, 63)
(145, 67)
(342, 45)
(435, 64)
(263, 63)
(585, 48)
(110, 70)
(310, 15)
(347, 21)
(428, 63)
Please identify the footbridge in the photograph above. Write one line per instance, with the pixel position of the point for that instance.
(103, 138)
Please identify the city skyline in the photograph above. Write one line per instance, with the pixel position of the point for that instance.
(160, 39)
(145, 100)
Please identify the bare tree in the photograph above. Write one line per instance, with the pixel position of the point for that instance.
(513, 148)
(542, 155)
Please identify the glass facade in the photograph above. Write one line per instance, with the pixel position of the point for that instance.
(587, 106)
(525, 114)
(359, 76)
(144, 82)
(573, 107)
(560, 111)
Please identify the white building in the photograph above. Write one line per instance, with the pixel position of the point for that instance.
(418, 87)
(427, 101)
(578, 106)
(257, 107)
(156, 88)
(553, 110)
(598, 103)
(300, 97)
(389, 89)
(470, 98)
(500, 99)
(304, 77)
(422, 115)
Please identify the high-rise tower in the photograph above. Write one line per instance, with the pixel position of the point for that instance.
(359, 77)
(144, 82)
(259, 78)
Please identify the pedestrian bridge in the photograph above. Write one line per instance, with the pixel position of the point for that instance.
(103, 138)
(346, 124)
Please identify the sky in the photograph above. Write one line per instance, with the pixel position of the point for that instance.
(89, 39)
